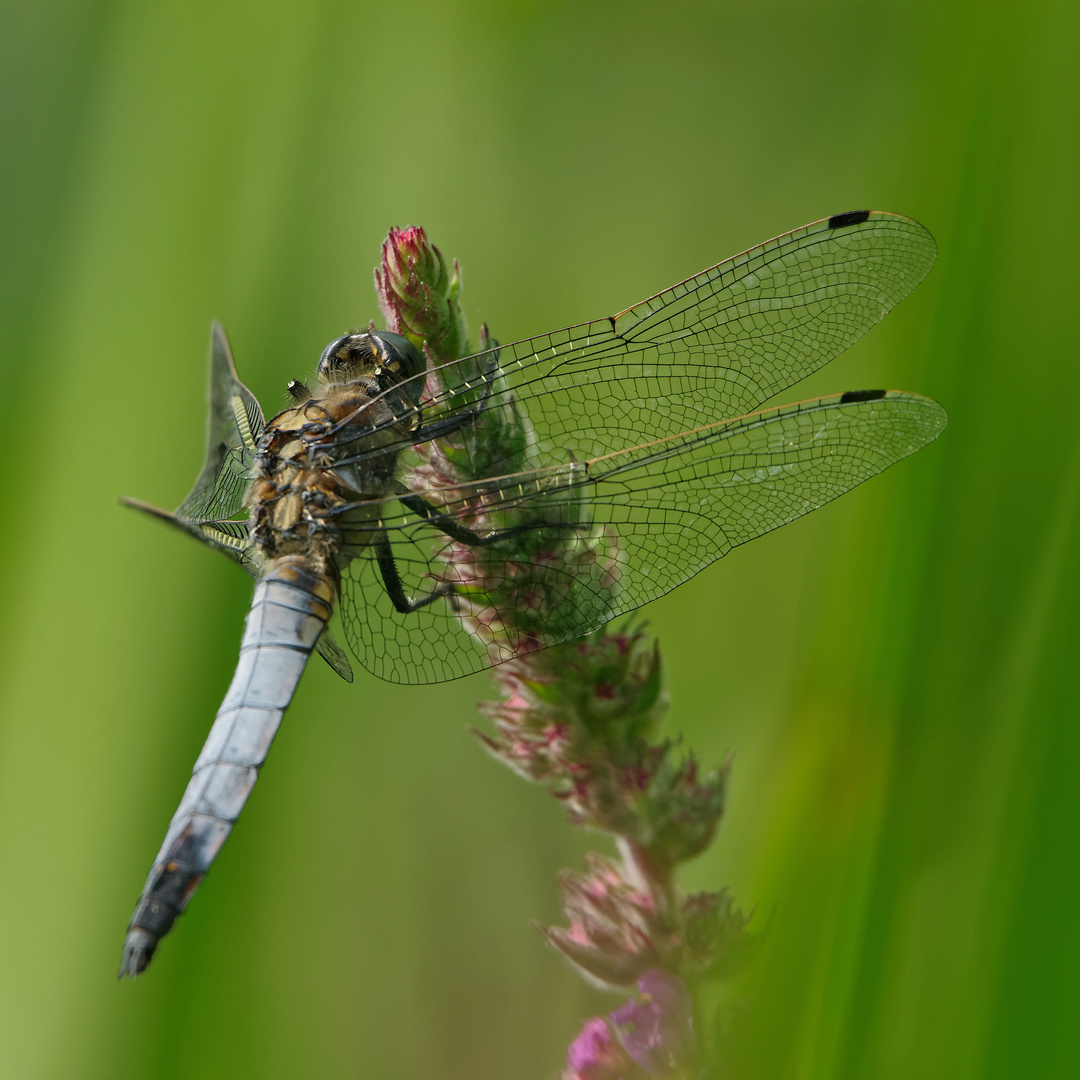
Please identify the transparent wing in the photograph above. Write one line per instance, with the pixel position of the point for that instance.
(234, 426)
(719, 344)
(587, 541)
(426, 646)
(212, 512)
(334, 655)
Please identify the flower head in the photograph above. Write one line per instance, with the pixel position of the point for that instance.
(572, 712)
(617, 931)
(651, 1035)
(596, 1055)
(419, 297)
(656, 1026)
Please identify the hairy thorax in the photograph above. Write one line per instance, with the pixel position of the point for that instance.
(309, 501)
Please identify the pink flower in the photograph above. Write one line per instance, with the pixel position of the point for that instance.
(595, 1055)
(651, 1035)
(615, 932)
(656, 1027)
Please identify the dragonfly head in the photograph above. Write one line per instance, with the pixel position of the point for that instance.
(380, 354)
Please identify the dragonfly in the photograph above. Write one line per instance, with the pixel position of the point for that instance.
(457, 515)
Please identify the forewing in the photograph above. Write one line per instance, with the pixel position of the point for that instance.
(210, 512)
(615, 532)
(717, 345)
(233, 428)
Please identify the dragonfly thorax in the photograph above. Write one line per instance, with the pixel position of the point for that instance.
(329, 462)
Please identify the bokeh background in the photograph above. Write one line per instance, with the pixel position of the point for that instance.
(895, 674)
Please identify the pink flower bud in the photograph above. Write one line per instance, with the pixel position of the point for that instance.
(418, 296)
(616, 931)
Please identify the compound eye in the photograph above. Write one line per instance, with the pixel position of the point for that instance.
(402, 357)
(346, 355)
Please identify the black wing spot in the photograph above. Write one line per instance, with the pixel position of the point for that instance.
(861, 395)
(614, 320)
(852, 217)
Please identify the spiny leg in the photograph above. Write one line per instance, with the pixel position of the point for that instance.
(449, 525)
(392, 582)
(453, 528)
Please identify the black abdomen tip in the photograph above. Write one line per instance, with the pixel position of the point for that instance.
(138, 949)
(852, 217)
(861, 395)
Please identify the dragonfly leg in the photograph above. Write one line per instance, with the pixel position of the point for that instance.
(453, 528)
(384, 555)
(449, 525)
(439, 429)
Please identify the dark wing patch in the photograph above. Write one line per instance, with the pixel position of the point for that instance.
(862, 395)
(852, 217)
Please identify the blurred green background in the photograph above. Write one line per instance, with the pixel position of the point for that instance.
(895, 674)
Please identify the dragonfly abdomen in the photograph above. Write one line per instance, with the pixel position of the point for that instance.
(290, 609)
